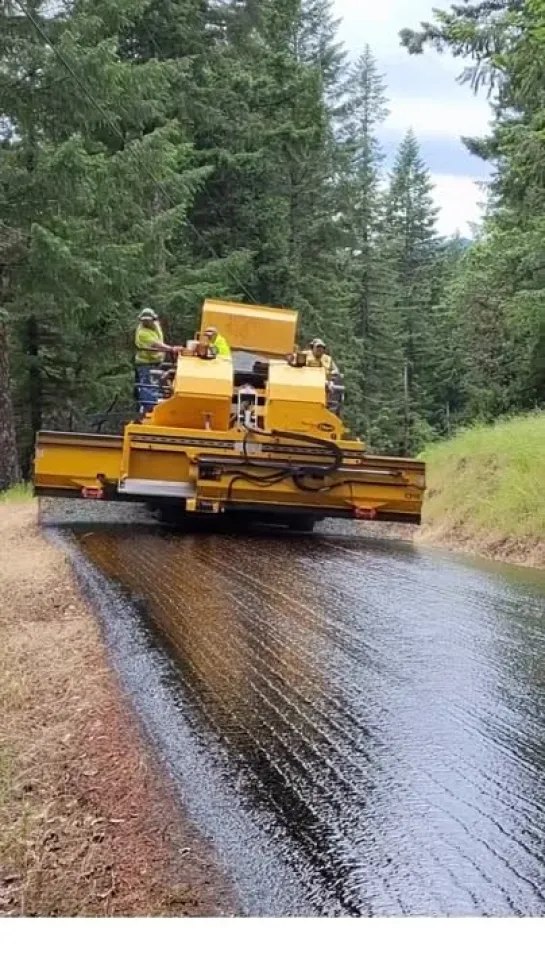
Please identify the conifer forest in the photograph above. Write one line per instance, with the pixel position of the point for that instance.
(158, 152)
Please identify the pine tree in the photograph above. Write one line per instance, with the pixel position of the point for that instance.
(361, 206)
(498, 297)
(97, 180)
(319, 47)
(442, 369)
(411, 250)
(263, 99)
(314, 235)
(366, 110)
(268, 135)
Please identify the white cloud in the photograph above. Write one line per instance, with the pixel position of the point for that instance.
(378, 22)
(432, 117)
(424, 95)
(460, 200)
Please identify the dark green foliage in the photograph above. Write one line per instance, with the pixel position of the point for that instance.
(96, 178)
(162, 151)
(496, 302)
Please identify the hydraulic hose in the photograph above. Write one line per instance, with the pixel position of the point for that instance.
(298, 473)
(260, 481)
(325, 444)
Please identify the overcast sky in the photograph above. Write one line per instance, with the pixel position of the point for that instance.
(424, 95)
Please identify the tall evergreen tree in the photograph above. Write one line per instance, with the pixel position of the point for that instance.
(442, 368)
(318, 45)
(97, 180)
(365, 111)
(268, 134)
(361, 207)
(411, 250)
(500, 294)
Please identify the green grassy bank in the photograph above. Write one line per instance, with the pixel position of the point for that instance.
(17, 494)
(486, 491)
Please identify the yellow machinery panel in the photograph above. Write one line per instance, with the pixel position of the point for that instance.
(367, 494)
(249, 327)
(288, 384)
(71, 462)
(209, 472)
(296, 401)
(308, 418)
(202, 395)
(150, 461)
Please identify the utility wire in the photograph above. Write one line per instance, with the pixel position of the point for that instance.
(117, 131)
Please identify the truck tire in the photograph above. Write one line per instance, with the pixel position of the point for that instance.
(301, 523)
(171, 514)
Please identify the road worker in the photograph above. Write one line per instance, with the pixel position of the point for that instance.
(317, 358)
(217, 343)
(151, 350)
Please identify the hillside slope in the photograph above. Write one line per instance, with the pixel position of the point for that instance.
(486, 491)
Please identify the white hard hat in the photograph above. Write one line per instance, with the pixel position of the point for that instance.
(318, 343)
(148, 314)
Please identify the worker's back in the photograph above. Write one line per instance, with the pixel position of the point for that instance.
(147, 334)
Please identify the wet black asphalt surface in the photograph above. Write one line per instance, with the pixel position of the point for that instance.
(357, 724)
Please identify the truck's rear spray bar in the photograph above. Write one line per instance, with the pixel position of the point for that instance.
(174, 468)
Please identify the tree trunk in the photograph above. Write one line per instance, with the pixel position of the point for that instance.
(9, 460)
(407, 409)
(35, 375)
(35, 391)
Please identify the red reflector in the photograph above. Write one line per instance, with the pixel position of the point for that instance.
(362, 513)
(92, 493)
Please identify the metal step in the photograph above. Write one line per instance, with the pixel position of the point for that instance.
(157, 487)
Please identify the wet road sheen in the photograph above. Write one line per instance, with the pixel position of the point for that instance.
(381, 705)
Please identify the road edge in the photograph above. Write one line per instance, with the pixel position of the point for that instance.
(90, 822)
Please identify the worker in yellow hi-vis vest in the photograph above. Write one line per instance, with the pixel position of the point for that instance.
(151, 350)
(217, 343)
(318, 358)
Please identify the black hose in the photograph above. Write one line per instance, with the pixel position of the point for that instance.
(261, 481)
(300, 473)
(327, 444)
(328, 488)
(297, 473)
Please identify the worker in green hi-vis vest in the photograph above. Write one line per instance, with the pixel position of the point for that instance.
(150, 353)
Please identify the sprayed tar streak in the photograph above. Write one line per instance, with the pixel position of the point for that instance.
(207, 781)
(358, 725)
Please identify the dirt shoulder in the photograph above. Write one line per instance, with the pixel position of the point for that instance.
(88, 825)
(513, 550)
(508, 550)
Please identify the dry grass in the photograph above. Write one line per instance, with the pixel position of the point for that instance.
(87, 827)
(485, 491)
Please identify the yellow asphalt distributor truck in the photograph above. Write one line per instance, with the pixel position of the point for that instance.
(256, 435)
